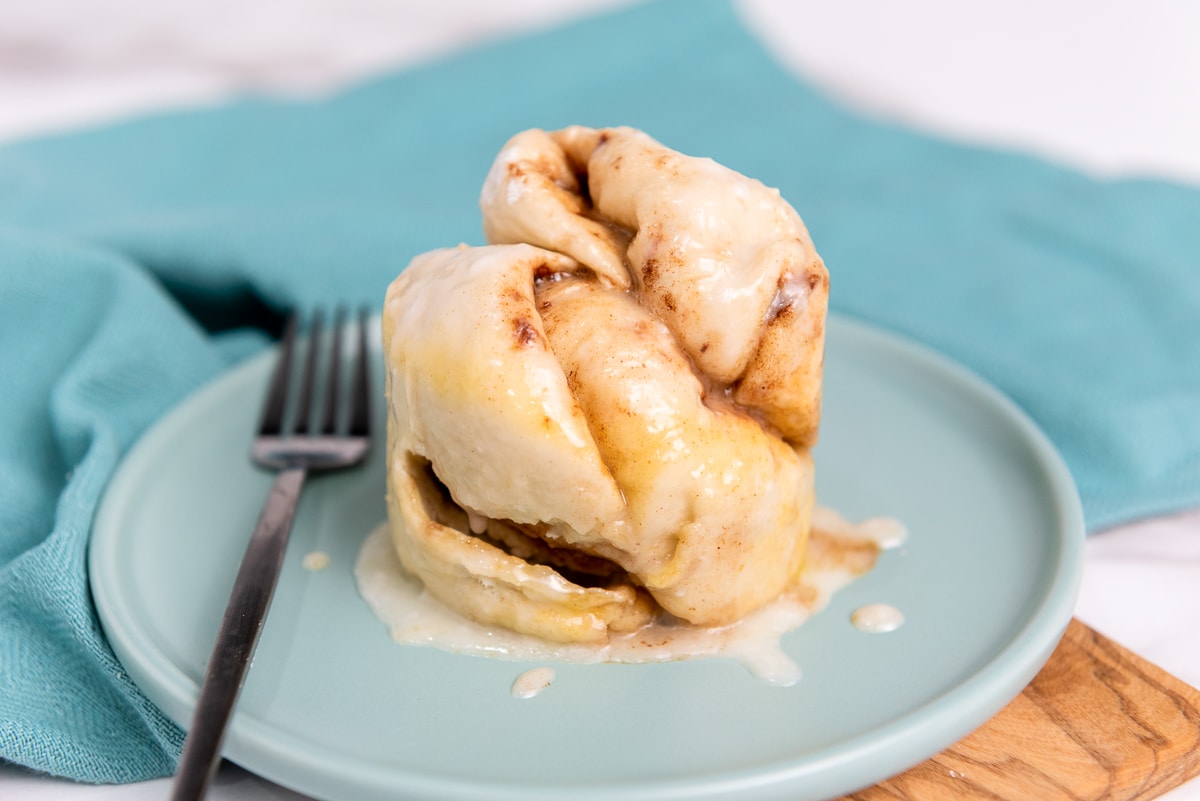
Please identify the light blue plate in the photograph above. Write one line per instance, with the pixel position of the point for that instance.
(333, 708)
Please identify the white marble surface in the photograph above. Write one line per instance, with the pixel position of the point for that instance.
(1109, 87)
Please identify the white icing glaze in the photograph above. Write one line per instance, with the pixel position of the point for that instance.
(877, 618)
(476, 521)
(886, 532)
(317, 560)
(532, 682)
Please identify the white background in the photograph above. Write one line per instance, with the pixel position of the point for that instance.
(1112, 88)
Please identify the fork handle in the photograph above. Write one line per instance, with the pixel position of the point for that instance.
(240, 627)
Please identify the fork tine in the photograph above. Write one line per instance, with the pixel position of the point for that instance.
(304, 405)
(360, 398)
(275, 404)
(333, 377)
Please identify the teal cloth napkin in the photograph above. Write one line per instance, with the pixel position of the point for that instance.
(139, 260)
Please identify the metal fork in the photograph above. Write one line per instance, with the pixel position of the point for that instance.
(291, 450)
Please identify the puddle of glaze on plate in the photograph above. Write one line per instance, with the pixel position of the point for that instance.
(837, 554)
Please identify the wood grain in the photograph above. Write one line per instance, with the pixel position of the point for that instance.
(1098, 723)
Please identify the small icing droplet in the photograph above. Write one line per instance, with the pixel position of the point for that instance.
(476, 521)
(877, 618)
(532, 682)
(317, 560)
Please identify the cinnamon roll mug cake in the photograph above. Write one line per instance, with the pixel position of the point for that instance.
(600, 424)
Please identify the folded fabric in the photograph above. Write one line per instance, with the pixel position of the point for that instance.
(135, 260)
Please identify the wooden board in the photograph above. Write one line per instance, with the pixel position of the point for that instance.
(1098, 723)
